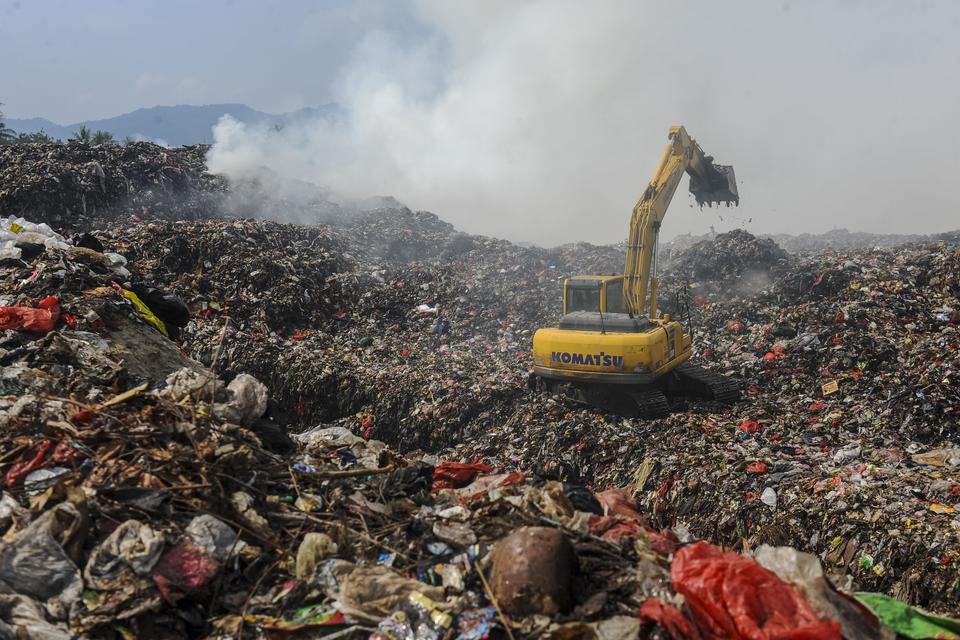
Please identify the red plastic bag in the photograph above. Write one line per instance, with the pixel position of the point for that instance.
(23, 468)
(40, 319)
(367, 424)
(453, 475)
(757, 467)
(619, 502)
(483, 485)
(735, 326)
(670, 619)
(183, 570)
(65, 454)
(750, 426)
(614, 529)
(732, 596)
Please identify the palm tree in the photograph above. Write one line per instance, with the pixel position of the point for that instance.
(36, 136)
(102, 137)
(82, 135)
(7, 134)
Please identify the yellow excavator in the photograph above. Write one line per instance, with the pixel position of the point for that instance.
(607, 350)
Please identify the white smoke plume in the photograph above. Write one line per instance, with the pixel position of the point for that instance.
(542, 121)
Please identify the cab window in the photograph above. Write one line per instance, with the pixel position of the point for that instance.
(615, 297)
(583, 297)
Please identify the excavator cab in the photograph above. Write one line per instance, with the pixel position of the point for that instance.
(602, 294)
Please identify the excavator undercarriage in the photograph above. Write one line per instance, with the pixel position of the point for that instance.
(687, 380)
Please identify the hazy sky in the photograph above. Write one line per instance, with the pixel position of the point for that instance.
(540, 120)
(70, 60)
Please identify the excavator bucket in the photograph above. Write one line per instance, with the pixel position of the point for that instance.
(720, 185)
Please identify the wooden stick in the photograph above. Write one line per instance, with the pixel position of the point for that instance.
(493, 601)
(66, 426)
(350, 473)
(123, 397)
(13, 453)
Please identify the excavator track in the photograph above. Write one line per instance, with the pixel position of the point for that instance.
(635, 403)
(696, 381)
(651, 403)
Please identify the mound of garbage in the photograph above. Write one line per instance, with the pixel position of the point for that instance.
(77, 185)
(364, 474)
(727, 256)
(844, 239)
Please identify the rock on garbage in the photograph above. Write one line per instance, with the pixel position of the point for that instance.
(532, 571)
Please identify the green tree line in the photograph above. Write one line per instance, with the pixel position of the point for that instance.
(83, 135)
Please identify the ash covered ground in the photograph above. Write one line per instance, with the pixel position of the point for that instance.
(405, 459)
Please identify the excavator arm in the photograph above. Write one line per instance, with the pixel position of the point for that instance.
(709, 183)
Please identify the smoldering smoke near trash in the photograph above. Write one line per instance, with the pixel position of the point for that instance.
(543, 122)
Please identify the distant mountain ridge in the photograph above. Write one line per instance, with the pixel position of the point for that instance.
(174, 125)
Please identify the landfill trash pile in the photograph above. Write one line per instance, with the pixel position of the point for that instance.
(845, 444)
(812, 243)
(827, 471)
(843, 239)
(337, 320)
(334, 322)
(76, 185)
(734, 254)
(318, 458)
(267, 194)
(142, 499)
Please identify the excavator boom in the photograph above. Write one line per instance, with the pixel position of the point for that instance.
(709, 183)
